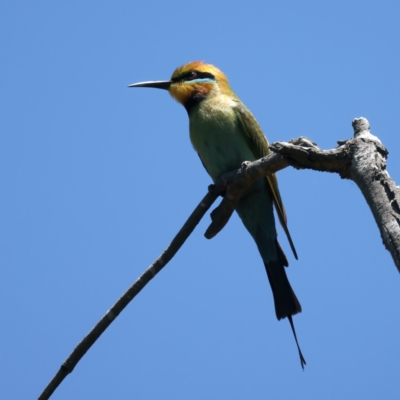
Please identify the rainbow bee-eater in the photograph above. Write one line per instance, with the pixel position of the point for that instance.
(225, 134)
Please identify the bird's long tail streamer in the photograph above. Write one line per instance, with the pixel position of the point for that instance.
(302, 359)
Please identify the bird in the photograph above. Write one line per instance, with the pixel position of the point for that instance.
(225, 133)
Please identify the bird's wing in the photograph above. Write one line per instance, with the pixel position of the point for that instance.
(259, 146)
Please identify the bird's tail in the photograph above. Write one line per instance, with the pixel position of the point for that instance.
(286, 302)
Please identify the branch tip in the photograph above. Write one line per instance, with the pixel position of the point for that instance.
(360, 125)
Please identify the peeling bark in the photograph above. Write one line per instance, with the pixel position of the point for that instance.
(368, 171)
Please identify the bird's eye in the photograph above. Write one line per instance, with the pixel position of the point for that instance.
(191, 75)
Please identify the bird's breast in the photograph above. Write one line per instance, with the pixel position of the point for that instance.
(217, 137)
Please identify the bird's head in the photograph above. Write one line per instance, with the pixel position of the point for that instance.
(192, 82)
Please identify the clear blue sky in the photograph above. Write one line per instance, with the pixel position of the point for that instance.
(96, 179)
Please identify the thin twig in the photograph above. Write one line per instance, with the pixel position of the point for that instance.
(87, 342)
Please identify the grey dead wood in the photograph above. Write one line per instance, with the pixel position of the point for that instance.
(361, 159)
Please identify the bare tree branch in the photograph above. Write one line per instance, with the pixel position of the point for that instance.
(361, 159)
(87, 342)
(368, 171)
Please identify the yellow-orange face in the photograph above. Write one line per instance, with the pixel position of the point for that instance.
(195, 81)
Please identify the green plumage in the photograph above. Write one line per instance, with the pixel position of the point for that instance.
(225, 133)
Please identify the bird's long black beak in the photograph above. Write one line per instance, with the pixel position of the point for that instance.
(153, 84)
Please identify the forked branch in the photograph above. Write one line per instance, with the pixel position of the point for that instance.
(361, 159)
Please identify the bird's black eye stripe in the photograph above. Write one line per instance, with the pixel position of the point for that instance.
(188, 76)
